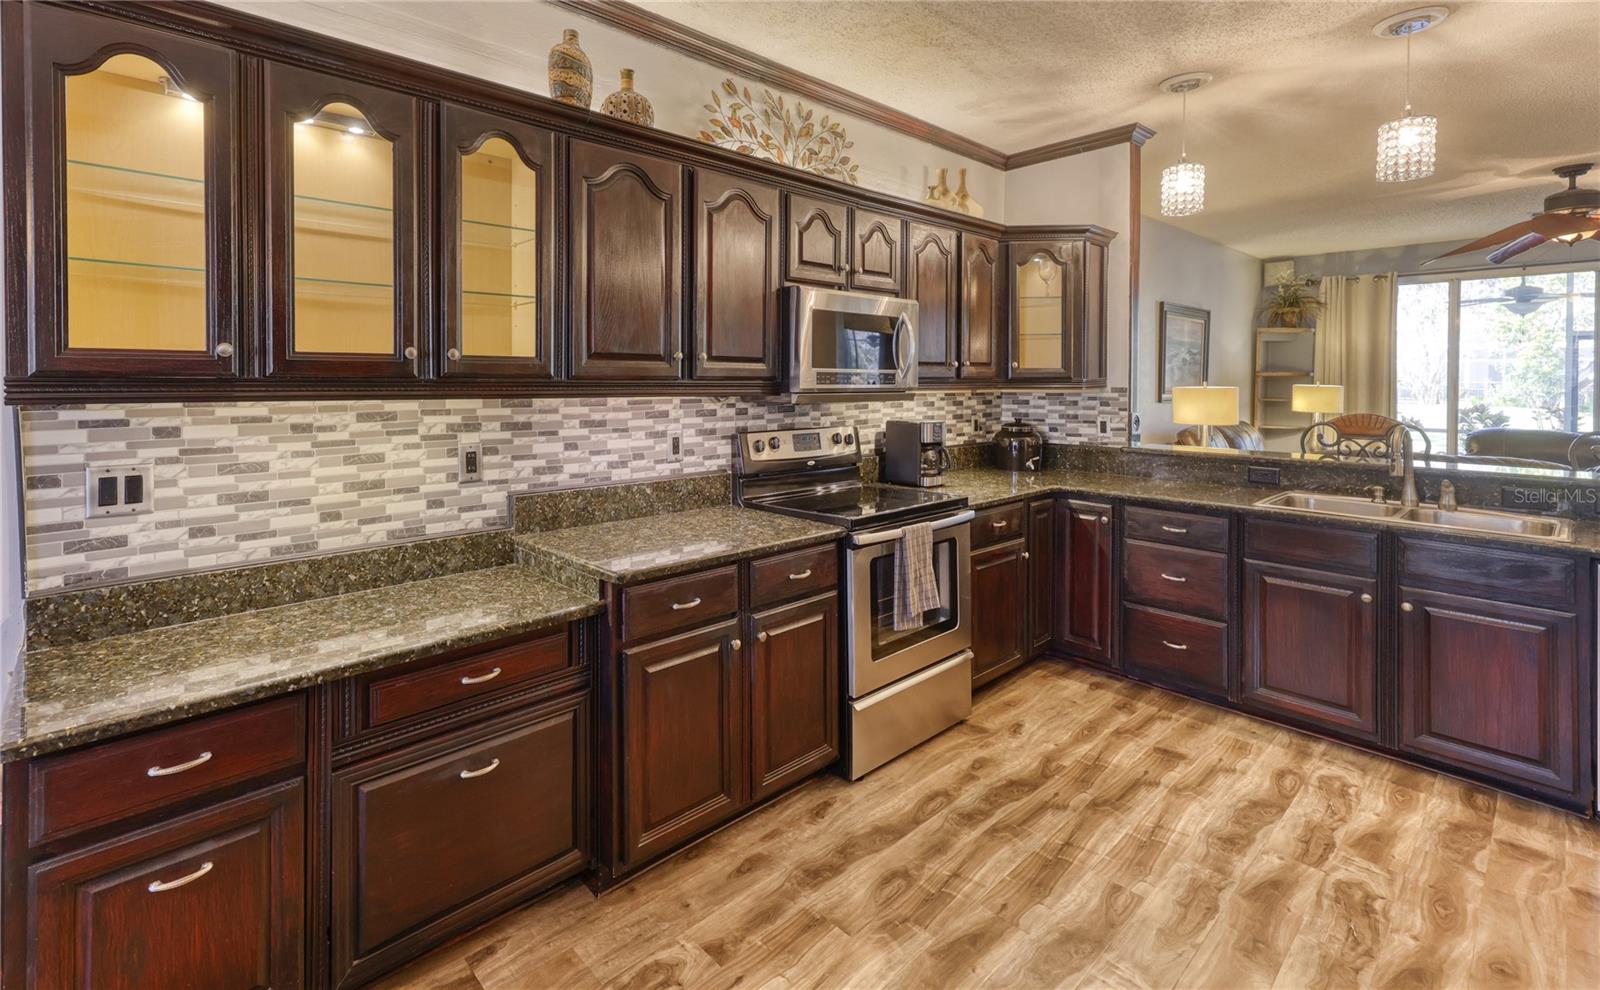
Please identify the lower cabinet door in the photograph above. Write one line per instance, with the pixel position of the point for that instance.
(1042, 570)
(683, 738)
(1086, 599)
(212, 899)
(999, 610)
(794, 693)
(437, 836)
(1311, 647)
(1499, 689)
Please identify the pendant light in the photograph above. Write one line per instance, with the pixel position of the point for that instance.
(1407, 145)
(1183, 186)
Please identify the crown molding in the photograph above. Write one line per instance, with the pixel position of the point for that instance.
(1135, 134)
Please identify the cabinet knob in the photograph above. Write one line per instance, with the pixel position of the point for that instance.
(411, 353)
(677, 355)
(1407, 607)
(1026, 555)
(735, 644)
(761, 637)
(454, 354)
(702, 355)
(1105, 520)
(1366, 599)
(1015, 365)
(224, 349)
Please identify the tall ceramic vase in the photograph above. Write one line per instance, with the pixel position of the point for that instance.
(629, 104)
(571, 76)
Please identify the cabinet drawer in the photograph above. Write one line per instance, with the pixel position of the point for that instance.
(391, 697)
(1184, 529)
(425, 837)
(1176, 578)
(104, 783)
(1526, 578)
(794, 575)
(1168, 646)
(1316, 546)
(999, 524)
(662, 607)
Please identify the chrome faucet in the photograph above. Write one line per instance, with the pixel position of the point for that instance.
(1401, 464)
(1447, 495)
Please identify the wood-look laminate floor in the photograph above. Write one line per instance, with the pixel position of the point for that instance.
(1083, 831)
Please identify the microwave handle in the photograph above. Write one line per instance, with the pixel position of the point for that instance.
(905, 347)
(890, 535)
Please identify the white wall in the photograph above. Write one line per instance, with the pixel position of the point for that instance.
(450, 36)
(1176, 266)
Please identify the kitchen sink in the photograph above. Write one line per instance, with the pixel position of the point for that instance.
(1462, 520)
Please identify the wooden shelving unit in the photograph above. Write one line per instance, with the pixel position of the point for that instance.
(1285, 356)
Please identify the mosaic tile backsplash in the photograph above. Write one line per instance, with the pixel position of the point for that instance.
(239, 483)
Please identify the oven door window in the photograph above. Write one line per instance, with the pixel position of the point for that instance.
(886, 639)
(852, 341)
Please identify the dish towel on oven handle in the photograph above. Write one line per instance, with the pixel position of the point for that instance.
(916, 590)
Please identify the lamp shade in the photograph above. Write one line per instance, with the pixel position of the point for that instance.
(1317, 398)
(1205, 405)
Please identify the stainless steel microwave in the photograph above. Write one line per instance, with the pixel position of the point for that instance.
(850, 341)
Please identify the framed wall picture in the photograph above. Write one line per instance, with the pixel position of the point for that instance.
(1185, 348)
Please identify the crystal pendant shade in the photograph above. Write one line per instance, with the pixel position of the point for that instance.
(1406, 147)
(1183, 189)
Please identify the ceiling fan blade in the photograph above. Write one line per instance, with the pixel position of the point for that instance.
(1544, 227)
(1526, 242)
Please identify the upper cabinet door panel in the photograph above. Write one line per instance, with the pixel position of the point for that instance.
(932, 277)
(496, 263)
(343, 212)
(134, 180)
(981, 342)
(1089, 320)
(737, 241)
(819, 241)
(1042, 303)
(875, 252)
(627, 264)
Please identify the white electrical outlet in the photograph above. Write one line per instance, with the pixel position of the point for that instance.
(122, 490)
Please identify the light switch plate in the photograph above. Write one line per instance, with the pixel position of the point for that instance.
(470, 456)
(118, 490)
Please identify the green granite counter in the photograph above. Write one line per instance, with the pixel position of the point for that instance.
(647, 547)
(987, 486)
(69, 695)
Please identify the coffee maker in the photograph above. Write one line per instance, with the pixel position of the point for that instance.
(914, 453)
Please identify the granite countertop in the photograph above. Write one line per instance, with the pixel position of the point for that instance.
(648, 547)
(988, 486)
(69, 695)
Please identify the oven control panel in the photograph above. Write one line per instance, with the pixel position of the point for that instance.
(790, 446)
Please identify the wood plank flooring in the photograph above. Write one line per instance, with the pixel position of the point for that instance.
(1079, 830)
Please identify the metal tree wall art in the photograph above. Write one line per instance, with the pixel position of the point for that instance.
(778, 132)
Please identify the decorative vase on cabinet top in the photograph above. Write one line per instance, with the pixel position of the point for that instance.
(629, 104)
(571, 76)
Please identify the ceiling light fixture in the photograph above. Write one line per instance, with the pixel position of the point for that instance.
(1407, 146)
(1183, 186)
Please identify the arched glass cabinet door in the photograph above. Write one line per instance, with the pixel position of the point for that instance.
(342, 228)
(496, 265)
(1041, 294)
(133, 185)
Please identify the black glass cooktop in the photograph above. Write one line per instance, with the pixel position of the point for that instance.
(859, 506)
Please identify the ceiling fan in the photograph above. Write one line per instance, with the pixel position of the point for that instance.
(1524, 299)
(1569, 216)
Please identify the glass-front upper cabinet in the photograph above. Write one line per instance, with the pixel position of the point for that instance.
(496, 266)
(133, 182)
(342, 227)
(1041, 304)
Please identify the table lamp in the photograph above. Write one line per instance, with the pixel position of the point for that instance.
(1318, 400)
(1205, 406)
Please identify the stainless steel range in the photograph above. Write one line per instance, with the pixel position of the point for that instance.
(902, 686)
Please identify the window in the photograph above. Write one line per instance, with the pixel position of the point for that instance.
(1479, 350)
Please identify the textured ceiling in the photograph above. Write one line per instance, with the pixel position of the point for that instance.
(1286, 131)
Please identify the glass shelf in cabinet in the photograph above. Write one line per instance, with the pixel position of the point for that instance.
(140, 187)
(143, 271)
(483, 233)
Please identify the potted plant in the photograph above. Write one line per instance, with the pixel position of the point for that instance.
(1292, 300)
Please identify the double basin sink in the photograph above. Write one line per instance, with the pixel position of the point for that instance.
(1484, 521)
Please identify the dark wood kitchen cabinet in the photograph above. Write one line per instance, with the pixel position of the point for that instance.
(683, 707)
(1085, 605)
(819, 241)
(1057, 303)
(345, 212)
(982, 352)
(933, 275)
(877, 241)
(1042, 570)
(626, 218)
(737, 238)
(794, 693)
(999, 608)
(1177, 581)
(215, 898)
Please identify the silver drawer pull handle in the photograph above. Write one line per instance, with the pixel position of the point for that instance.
(679, 606)
(1000, 523)
(491, 675)
(801, 576)
(157, 886)
(1175, 579)
(179, 768)
(469, 774)
(1175, 646)
(1180, 530)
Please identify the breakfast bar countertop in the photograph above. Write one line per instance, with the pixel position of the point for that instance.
(69, 695)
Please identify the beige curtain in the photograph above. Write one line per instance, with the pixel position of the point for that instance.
(1355, 340)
